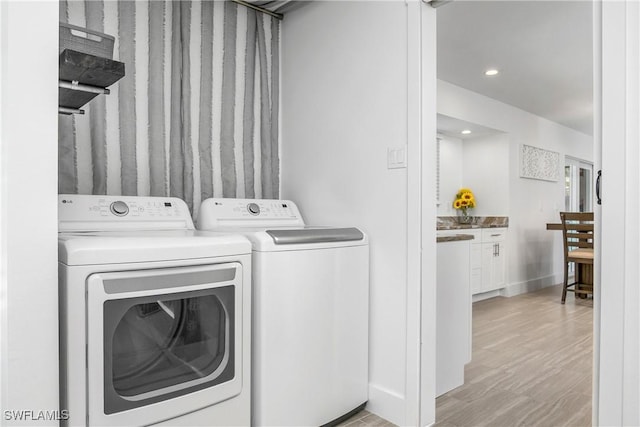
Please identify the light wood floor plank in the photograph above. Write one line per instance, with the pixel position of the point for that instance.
(531, 365)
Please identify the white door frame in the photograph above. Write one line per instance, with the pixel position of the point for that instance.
(616, 368)
(616, 322)
(426, 189)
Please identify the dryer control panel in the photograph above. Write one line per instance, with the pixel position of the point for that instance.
(80, 213)
(217, 213)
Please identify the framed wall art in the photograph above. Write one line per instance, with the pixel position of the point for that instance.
(537, 163)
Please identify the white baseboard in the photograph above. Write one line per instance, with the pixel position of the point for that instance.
(485, 295)
(531, 285)
(387, 404)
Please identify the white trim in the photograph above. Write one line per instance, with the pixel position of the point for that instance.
(577, 159)
(485, 295)
(428, 210)
(28, 218)
(4, 315)
(617, 371)
(414, 224)
(531, 285)
(386, 404)
(631, 327)
(613, 126)
(597, 157)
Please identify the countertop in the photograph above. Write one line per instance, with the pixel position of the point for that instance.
(452, 222)
(467, 226)
(454, 238)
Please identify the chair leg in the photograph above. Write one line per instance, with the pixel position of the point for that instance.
(566, 282)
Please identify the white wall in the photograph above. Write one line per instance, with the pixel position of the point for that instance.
(28, 207)
(535, 254)
(345, 96)
(451, 167)
(486, 172)
(481, 164)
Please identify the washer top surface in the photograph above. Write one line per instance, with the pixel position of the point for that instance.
(273, 225)
(119, 229)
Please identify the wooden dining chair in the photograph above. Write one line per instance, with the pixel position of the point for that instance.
(577, 233)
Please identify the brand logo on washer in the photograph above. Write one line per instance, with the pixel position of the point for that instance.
(67, 201)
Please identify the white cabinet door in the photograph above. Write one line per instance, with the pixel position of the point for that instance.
(493, 268)
(499, 267)
(488, 251)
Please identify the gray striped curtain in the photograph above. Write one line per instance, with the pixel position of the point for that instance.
(196, 115)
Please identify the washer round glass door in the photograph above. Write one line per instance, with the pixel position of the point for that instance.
(158, 343)
(161, 343)
(165, 344)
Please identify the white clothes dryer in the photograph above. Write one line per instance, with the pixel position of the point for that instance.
(154, 316)
(310, 312)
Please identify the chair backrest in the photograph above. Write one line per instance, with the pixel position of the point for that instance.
(577, 230)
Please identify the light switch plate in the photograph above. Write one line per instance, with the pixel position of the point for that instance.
(396, 158)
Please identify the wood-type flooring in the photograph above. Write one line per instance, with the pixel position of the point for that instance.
(531, 366)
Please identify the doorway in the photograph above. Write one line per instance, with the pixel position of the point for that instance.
(474, 86)
(578, 178)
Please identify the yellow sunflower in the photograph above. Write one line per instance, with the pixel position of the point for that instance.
(464, 200)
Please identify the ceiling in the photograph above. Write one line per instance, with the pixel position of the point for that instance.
(543, 50)
(450, 126)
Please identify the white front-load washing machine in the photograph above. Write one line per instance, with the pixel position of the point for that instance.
(310, 311)
(155, 317)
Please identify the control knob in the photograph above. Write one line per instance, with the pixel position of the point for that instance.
(119, 208)
(253, 208)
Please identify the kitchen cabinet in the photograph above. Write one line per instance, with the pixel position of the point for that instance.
(453, 312)
(488, 260)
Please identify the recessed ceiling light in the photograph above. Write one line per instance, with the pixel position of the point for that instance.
(466, 132)
(491, 72)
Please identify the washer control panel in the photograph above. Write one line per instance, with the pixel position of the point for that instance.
(253, 208)
(77, 212)
(119, 208)
(216, 213)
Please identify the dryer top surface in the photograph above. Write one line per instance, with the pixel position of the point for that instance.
(124, 229)
(137, 246)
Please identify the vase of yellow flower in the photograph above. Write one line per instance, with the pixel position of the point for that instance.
(464, 202)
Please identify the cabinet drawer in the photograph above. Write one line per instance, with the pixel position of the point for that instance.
(493, 234)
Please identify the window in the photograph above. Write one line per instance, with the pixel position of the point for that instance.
(578, 176)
